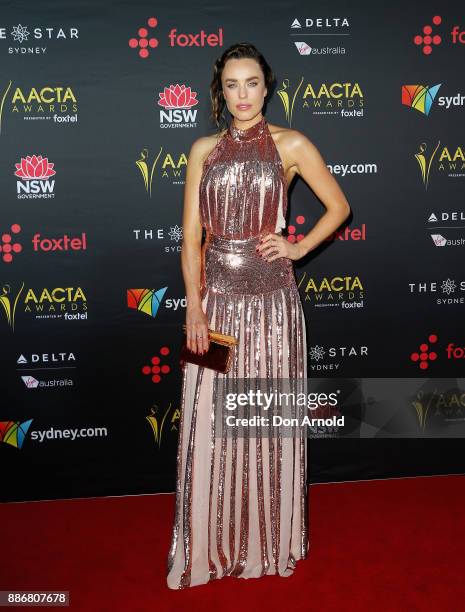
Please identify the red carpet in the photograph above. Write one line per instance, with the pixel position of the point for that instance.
(374, 545)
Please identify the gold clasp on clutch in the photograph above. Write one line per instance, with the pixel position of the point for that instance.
(218, 337)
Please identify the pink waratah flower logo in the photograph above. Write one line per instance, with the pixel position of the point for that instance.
(178, 96)
(34, 167)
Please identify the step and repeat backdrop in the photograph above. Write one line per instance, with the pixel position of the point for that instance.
(99, 105)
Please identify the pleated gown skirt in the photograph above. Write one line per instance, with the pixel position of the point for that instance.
(241, 502)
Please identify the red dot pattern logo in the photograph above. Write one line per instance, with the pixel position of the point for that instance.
(293, 236)
(426, 39)
(424, 356)
(156, 369)
(143, 43)
(7, 246)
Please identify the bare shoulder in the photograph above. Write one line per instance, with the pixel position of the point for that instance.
(296, 149)
(289, 139)
(203, 146)
(290, 144)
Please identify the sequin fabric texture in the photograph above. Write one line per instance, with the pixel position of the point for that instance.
(241, 503)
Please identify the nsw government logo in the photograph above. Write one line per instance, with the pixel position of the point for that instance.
(178, 102)
(35, 178)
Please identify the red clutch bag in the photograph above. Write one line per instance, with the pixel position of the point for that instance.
(219, 355)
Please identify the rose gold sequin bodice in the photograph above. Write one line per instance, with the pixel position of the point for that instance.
(243, 190)
(243, 196)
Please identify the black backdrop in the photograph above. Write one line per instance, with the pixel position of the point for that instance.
(113, 184)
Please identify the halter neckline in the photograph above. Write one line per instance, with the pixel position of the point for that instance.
(250, 133)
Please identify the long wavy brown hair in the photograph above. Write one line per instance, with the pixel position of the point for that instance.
(237, 51)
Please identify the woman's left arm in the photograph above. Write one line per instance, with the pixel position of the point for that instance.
(303, 155)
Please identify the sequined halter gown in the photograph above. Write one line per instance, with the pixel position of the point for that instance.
(241, 504)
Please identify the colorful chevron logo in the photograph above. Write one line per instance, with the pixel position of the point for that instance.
(14, 432)
(146, 300)
(419, 97)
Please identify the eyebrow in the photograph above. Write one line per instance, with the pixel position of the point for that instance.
(249, 79)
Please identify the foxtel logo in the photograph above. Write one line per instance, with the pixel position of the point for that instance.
(144, 40)
(60, 244)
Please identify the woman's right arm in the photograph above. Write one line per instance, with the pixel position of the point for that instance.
(196, 319)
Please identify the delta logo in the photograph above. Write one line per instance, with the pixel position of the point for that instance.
(52, 104)
(46, 361)
(337, 99)
(35, 178)
(30, 40)
(421, 98)
(178, 102)
(145, 41)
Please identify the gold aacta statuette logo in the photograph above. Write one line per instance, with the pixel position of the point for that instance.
(420, 409)
(287, 103)
(2, 102)
(157, 426)
(147, 172)
(424, 163)
(9, 307)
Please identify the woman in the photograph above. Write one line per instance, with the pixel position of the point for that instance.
(241, 503)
